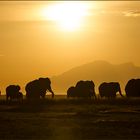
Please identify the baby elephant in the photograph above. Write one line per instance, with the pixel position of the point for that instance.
(13, 93)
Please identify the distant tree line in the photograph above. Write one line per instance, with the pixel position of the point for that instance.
(37, 89)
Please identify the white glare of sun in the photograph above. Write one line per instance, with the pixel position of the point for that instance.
(68, 15)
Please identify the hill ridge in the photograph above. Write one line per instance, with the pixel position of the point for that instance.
(99, 71)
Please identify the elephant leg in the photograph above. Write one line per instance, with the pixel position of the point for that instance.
(6, 98)
(20, 98)
(52, 95)
(95, 97)
(43, 96)
(50, 90)
(10, 99)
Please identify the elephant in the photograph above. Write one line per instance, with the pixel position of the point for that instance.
(71, 92)
(110, 89)
(132, 88)
(37, 88)
(83, 89)
(13, 92)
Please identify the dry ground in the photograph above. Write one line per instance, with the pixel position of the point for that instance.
(63, 119)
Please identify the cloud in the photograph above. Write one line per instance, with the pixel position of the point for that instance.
(132, 13)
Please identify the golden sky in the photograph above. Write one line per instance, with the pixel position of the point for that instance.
(48, 38)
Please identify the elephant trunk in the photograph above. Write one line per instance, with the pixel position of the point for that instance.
(94, 94)
(52, 94)
(51, 91)
(120, 92)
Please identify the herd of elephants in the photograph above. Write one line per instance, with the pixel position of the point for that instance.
(37, 89)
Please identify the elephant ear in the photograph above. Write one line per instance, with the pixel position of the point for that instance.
(18, 87)
(48, 80)
(92, 83)
(117, 83)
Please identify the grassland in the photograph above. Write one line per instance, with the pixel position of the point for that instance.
(70, 119)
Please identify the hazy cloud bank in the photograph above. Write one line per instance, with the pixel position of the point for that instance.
(132, 13)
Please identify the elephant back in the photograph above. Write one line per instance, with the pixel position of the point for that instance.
(32, 89)
(33, 85)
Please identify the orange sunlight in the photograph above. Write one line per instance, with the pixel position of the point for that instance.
(69, 16)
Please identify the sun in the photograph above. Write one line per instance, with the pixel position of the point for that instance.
(68, 15)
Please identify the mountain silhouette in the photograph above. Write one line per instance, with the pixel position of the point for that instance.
(98, 71)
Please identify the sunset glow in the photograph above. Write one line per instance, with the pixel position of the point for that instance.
(69, 70)
(48, 38)
(68, 15)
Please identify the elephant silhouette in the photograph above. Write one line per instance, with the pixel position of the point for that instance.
(85, 89)
(38, 88)
(132, 88)
(13, 92)
(71, 92)
(109, 90)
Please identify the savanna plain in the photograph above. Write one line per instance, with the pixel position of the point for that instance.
(70, 119)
